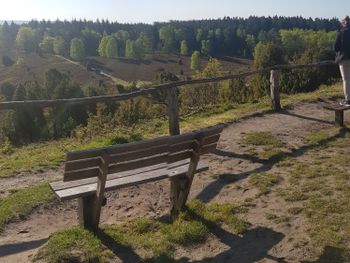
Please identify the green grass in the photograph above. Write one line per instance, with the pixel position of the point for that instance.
(154, 241)
(72, 245)
(22, 202)
(264, 182)
(48, 155)
(261, 139)
(319, 189)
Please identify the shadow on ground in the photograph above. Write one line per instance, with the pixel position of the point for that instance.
(252, 246)
(10, 249)
(211, 190)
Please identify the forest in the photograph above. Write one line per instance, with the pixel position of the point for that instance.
(267, 41)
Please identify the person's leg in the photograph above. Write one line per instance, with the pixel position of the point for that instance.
(345, 73)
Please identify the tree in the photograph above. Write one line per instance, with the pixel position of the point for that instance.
(184, 48)
(91, 40)
(25, 39)
(130, 49)
(111, 48)
(102, 47)
(195, 60)
(206, 47)
(77, 49)
(47, 44)
(6, 38)
(59, 45)
(267, 55)
(139, 49)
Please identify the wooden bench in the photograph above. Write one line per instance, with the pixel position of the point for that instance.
(88, 174)
(338, 112)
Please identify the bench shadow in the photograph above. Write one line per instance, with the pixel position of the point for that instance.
(125, 253)
(10, 249)
(254, 245)
(211, 190)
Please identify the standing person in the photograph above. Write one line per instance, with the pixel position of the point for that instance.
(342, 47)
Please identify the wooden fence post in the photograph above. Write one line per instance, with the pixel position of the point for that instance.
(176, 184)
(275, 90)
(173, 111)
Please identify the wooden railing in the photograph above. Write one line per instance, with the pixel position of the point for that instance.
(172, 97)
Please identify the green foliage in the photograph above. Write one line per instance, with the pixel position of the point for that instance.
(22, 202)
(77, 49)
(184, 51)
(59, 45)
(91, 40)
(261, 139)
(130, 49)
(206, 47)
(195, 60)
(25, 39)
(102, 46)
(47, 44)
(111, 48)
(139, 49)
(264, 182)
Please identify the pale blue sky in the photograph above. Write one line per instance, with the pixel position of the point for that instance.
(164, 10)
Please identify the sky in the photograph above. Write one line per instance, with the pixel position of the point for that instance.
(149, 11)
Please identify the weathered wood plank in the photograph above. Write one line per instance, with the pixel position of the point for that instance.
(275, 90)
(81, 174)
(173, 111)
(83, 164)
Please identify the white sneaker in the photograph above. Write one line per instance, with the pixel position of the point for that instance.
(345, 103)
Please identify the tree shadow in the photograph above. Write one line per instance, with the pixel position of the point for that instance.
(332, 255)
(10, 249)
(211, 190)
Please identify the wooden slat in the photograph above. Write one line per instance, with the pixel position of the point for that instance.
(84, 154)
(182, 170)
(88, 189)
(141, 153)
(211, 139)
(139, 163)
(183, 146)
(179, 156)
(207, 132)
(82, 164)
(81, 174)
(208, 148)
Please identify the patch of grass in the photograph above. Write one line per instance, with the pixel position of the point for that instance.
(22, 202)
(72, 245)
(264, 182)
(261, 139)
(154, 241)
(320, 137)
(277, 219)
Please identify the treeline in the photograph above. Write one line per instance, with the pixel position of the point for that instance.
(220, 37)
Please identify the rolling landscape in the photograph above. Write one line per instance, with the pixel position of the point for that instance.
(192, 140)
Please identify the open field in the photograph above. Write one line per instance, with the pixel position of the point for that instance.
(123, 71)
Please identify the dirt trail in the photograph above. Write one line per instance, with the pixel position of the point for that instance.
(226, 181)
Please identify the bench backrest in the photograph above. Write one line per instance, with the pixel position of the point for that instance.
(147, 153)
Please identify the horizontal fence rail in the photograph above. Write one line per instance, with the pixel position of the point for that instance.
(172, 95)
(12, 105)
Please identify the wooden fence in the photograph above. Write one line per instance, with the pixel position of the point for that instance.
(172, 97)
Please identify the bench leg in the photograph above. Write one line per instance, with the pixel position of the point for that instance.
(87, 212)
(179, 193)
(339, 118)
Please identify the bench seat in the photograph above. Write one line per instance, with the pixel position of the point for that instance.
(84, 187)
